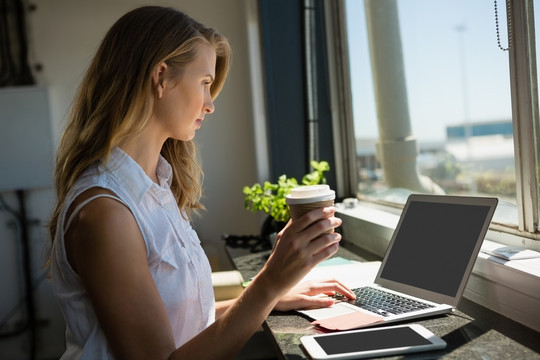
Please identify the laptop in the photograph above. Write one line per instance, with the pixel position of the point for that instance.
(428, 262)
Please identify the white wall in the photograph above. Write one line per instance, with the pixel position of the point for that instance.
(64, 35)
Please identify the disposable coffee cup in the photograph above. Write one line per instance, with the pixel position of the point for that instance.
(303, 199)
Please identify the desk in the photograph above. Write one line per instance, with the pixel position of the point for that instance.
(472, 331)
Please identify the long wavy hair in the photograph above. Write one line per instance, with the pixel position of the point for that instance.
(115, 98)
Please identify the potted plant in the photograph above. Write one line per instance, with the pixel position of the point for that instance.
(270, 197)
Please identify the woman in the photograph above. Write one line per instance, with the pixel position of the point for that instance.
(127, 268)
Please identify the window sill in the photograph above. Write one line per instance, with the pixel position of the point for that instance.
(511, 288)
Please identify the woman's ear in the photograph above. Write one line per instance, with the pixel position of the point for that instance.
(158, 77)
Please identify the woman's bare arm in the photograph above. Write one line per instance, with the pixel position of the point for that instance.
(106, 248)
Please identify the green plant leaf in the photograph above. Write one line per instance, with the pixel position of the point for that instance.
(271, 197)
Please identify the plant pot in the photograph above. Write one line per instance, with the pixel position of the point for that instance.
(270, 227)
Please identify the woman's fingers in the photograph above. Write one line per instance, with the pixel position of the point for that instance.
(310, 230)
(307, 295)
(312, 218)
(328, 287)
(323, 242)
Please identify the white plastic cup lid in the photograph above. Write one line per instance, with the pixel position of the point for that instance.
(310, 193)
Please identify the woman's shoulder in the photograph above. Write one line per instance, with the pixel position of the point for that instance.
(98, 218)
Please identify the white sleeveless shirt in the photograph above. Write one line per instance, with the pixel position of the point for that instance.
(176, 260)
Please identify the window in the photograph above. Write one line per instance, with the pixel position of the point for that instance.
(438, 106)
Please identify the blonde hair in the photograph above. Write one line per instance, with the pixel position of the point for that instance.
(114, 100)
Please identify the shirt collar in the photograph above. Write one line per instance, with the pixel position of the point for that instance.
(132, 176)
(164, 171)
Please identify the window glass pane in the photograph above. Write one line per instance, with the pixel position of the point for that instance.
(445, 93)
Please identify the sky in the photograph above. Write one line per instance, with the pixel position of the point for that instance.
(437, 58)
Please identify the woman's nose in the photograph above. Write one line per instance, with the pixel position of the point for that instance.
(209, 105)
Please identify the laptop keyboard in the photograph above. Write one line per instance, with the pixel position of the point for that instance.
(385, 303)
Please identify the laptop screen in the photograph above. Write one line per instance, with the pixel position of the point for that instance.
(436, 242)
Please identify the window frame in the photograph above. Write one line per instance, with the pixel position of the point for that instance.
(524, 95)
